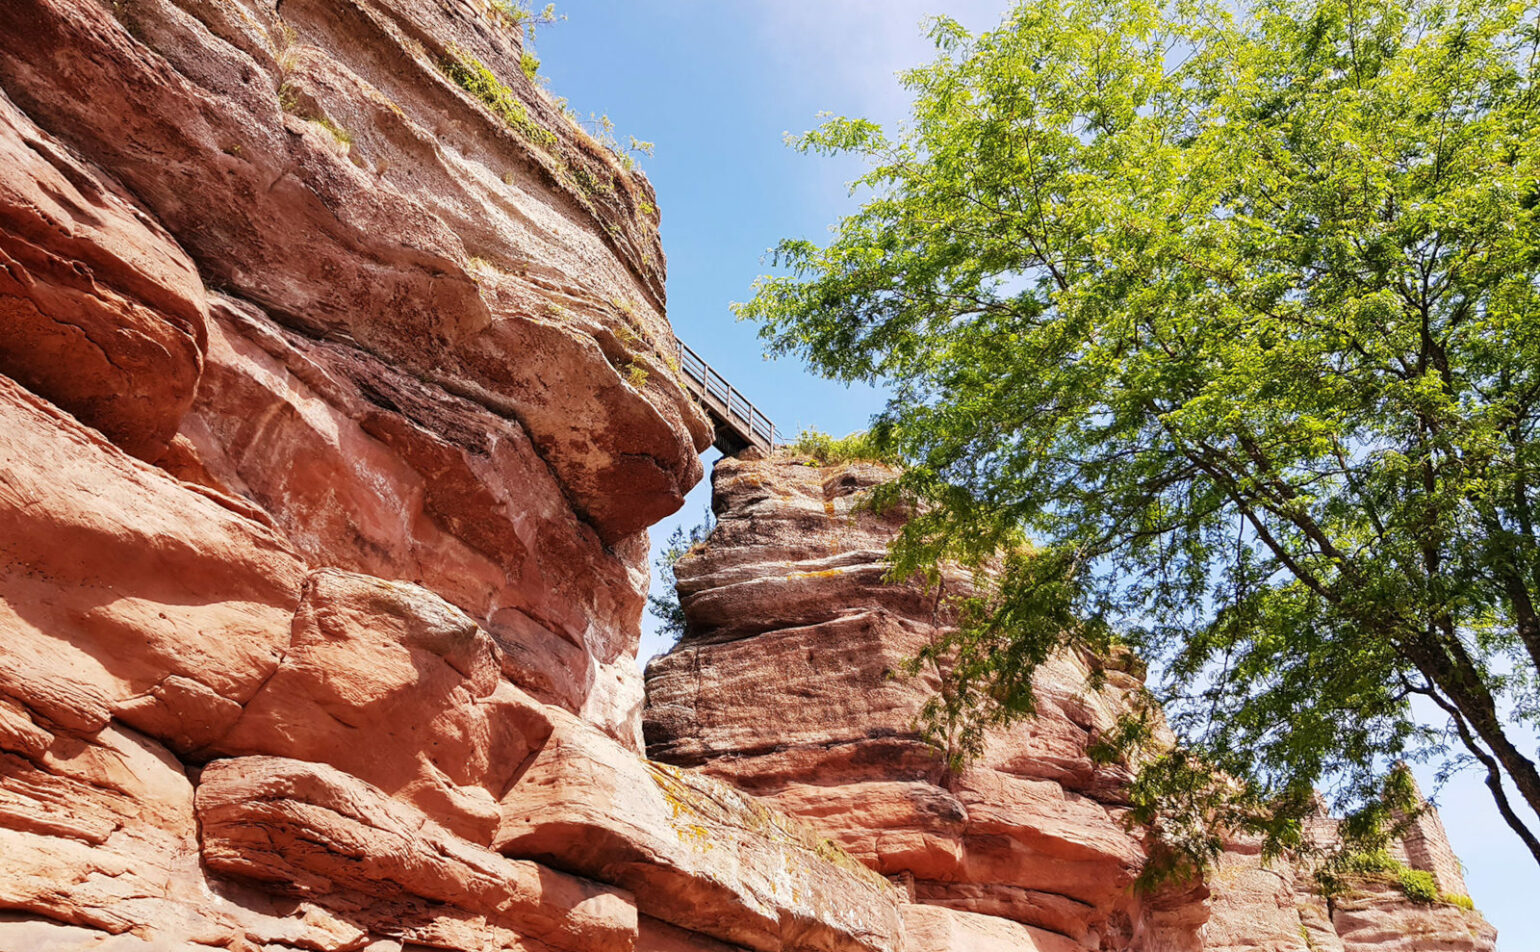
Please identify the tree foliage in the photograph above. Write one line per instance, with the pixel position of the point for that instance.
(1235, 316)
(663, 603)
(821, 449)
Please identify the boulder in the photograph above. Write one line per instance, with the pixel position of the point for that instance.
(311, 830)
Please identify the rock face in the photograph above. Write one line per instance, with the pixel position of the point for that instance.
(100, 310)
(438, 350)
(336, 396)
(787, 686)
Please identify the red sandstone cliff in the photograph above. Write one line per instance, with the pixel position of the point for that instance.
(785, 686)
(335, 400)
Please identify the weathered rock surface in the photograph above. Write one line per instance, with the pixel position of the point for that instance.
(310, 830)
(399, 689)
(789, 591)
(319, 163)
(933, 927)
(320, 593)
(202, 740)
(100, 311)
(1384, 919)
(336, 394)
(125, 595)
(695, 852)
(389, 242)
(368, 468)
(787, 684)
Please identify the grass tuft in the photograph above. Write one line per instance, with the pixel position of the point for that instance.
(1418, 885)
(289, 101)
(471, 75)
(338, 131)
(821, 449)
(636, 374)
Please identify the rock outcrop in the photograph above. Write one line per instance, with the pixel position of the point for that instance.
(437, 351)
(336, 396)
(787, 684)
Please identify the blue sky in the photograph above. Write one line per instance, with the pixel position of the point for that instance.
(716, 84)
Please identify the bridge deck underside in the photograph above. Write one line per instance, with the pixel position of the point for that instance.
(739, 424)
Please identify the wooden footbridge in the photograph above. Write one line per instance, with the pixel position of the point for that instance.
(739, 424)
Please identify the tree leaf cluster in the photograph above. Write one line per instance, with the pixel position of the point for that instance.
(1230, 317)
(666, 607)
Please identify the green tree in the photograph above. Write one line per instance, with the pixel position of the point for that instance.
(1234, 315)
(665, 607)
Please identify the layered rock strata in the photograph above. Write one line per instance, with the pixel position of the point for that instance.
(788, 684)
(336, 395)
(335, 398)
(206, 742)
(426, 309)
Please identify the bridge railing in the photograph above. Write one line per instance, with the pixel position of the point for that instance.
(726, 401)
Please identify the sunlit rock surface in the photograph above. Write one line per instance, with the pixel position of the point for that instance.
(789, 684)
(336, 396)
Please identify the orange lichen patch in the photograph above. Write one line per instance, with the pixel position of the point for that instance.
(826, 573)
(700, 802)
